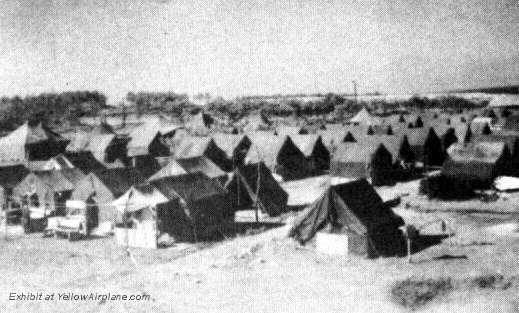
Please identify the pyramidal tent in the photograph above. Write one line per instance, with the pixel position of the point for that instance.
(31, 142)
(244, 190)
(365, 118)
(356, 210)
(200, 124)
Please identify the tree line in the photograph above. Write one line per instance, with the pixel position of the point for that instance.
(50, 107)
(57, 108)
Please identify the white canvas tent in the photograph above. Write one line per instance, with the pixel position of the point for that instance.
(140, 208)
(134, 200)
(363, 117)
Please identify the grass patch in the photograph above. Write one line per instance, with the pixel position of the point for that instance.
(412, 293)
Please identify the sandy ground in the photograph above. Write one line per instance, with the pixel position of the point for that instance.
(268, 272)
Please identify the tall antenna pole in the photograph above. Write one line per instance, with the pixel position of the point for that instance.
(355, 91)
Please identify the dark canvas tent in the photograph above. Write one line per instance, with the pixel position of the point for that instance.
(368, 159)
(198, 208)
(314, 150)
(194, 147)
(243, 189)
(84, 160)
(353, 208)
(234, 146)
(280, 155)
(10, 176)
(146, 143)
(403, 158)
(426, 146)
(478, 163)
(512, 142)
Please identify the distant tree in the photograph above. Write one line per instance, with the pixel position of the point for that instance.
(492, 114)
(486, 130)
(331, 101)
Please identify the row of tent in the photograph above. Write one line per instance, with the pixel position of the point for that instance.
(192, 198)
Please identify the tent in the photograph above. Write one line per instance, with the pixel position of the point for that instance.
(243, 189)
(31, 142)
(280, 155)
(287, 130)
(512, 142)
(363, 117)
(369, 159)
(314, 150)
(106, 147)
(198, 207)
(146, 140)
(201, 164)
(84, 160)
(234, 146)
(104, 186)
(355, 209)
(478, 163)
(258, 122)
(56, 163)
(426, 146)
(45, 192)
(511, 123)
(200, 124)
(195, 147)
(102, 128)
(10, 176)
(142, 224)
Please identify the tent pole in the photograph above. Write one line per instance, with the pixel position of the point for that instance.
(409, 260)
(128, 252)
(257, 193)
(5, 217)
(408, 240)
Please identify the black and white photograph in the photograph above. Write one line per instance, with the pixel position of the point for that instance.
(282, 156)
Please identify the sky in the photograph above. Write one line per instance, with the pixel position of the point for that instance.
(233, 47)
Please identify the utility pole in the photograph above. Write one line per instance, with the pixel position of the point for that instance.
(124, 113)
(355, 91)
